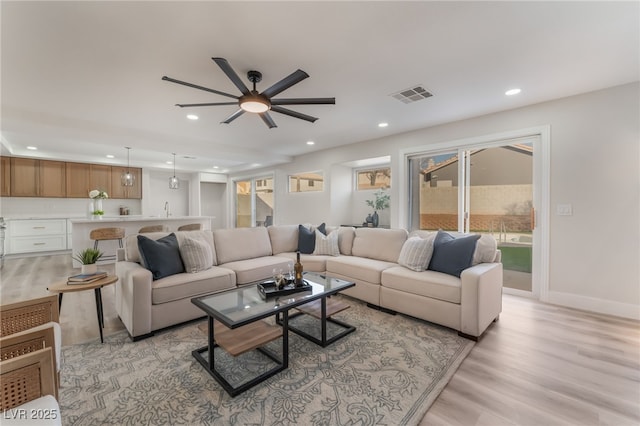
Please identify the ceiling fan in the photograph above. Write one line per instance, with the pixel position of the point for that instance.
(258, 103)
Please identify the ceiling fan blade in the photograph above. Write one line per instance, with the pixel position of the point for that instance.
(209, 104)
(267, 120)
(233, 116)
(295, 114)
(226, 68)
(195, 86)
(304, 101)
(293, 78)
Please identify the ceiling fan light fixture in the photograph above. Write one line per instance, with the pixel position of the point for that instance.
(254, 103)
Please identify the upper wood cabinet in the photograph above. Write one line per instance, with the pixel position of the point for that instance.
(37, 178)
(120, 191)
(100, 178)
(78, 180)
(5, 185)
(27, 177)
(52, 178)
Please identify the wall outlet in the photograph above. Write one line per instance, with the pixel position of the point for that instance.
(564, 210)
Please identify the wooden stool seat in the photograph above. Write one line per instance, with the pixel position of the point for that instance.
(102, 234)
(190, 227)
(153, 228)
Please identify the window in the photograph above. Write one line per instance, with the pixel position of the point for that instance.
(306, 182)
(376, 178)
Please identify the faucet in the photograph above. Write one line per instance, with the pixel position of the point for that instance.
(166, 208)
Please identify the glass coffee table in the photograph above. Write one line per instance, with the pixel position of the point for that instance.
(237, 328)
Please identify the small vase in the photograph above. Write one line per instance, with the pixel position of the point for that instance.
(89, 269)
(375, 219)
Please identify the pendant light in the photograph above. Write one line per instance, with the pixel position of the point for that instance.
(127, 177)
(174, 183)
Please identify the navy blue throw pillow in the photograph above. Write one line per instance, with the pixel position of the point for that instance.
(306, 240)
(452, 255)
(161, 257)
(322, 228)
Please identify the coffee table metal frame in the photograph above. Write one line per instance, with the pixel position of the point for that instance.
(324, 316)
(238, 307)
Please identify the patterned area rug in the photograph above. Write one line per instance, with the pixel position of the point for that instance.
(389, 371)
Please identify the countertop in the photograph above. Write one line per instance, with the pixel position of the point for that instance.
(136, 218)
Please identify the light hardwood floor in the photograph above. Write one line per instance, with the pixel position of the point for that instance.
(538, 365)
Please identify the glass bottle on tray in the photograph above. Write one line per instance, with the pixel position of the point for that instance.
(298, 271)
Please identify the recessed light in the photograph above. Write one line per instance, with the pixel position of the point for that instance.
(256, 165)
(111, 156)
(192, 117)
(216, 167)
(383, 124)
(512, 92)
(32, 148)
(169, 162)
(311, 143)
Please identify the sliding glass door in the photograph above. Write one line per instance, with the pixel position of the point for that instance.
(486, 189)
(254, 202)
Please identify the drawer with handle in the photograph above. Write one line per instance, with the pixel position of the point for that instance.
(26, 228)
(34, 244)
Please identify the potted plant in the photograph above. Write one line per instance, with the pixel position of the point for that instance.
(88, 258)
(380, 202)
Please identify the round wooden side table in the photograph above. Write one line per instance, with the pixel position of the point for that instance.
(61, 287)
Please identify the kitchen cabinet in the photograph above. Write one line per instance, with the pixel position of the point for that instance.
(78, 180)
(100, 178)
(36, 235)
(37, 178)
(5, 166)
(119, 191)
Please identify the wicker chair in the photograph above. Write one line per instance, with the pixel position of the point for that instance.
(30, 326)
(28, 386)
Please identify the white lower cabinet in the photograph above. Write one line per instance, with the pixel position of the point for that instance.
(34, 235)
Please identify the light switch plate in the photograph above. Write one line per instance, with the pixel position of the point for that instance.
(564, 210)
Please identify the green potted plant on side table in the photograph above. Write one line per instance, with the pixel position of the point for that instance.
(88, 258)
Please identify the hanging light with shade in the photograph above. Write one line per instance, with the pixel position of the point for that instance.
(128, 178)
(174, 183)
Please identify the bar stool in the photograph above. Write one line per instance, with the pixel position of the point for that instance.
(153, 228)
(102, 234)
(190, 227)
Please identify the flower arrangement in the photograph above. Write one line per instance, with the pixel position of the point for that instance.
(99, 194)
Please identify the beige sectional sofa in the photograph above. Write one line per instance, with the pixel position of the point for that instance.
(367, 256)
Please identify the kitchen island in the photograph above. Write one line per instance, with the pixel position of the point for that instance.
(81, 228)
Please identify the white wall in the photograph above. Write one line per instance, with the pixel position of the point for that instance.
(212, 201)
(595, 163)
(156, 193)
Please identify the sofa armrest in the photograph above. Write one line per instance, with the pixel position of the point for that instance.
(133, 297)
(480, 298)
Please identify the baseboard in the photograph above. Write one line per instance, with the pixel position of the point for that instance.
(601, 306)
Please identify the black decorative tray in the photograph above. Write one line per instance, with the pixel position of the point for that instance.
(268, 288)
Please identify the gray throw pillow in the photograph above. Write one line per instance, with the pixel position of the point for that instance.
(416, 253)
(452, 255)
(161, 257)
(196, 255)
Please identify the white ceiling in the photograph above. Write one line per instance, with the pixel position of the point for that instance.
(81, 80)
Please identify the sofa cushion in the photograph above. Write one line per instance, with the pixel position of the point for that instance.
(379, 243)
(196, 255)
(133, 253)
(162, 256)
(284, 238)
(186, 286)
(416, 253)
(256, 269)
(358, 268)
(346, 234)
(432, 284)
(310, 262)
(452, 255)
(486, 250)
(233, 244)
(327, 244)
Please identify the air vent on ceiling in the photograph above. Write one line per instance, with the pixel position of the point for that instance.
(412, 94)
